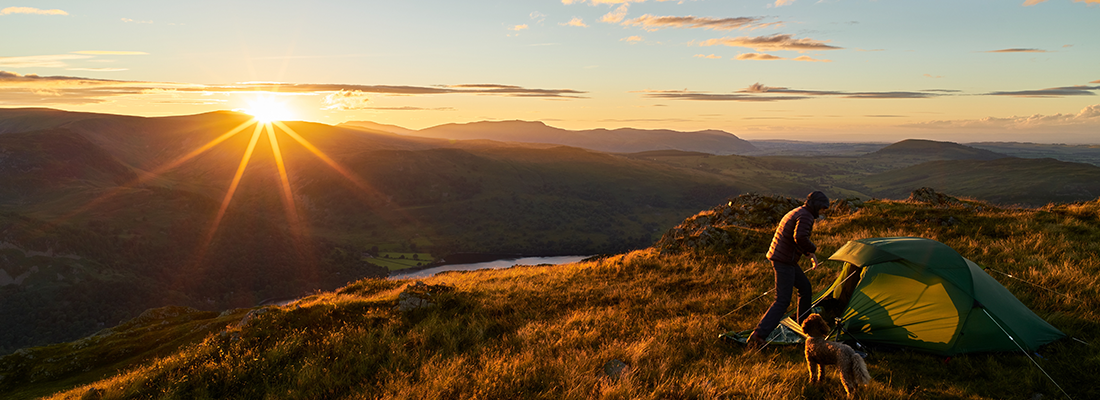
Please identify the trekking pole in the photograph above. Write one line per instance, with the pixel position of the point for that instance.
(746, 303)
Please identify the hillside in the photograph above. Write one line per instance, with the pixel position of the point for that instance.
(1031, 182)
(624, 140)
(637, 325)
(142, 228)
(934, 149)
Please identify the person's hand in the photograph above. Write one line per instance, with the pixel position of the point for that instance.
(813, 259)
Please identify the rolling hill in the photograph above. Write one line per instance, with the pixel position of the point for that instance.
(625, 140)
(642, 324)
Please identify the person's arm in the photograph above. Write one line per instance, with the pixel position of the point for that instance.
(802, 229)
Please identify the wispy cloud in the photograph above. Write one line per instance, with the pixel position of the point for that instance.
(31, 10)
(1034, 2)
(345, 100)
(1085, 121)
(35, 89)
(772, 42)
(1018, 50)
(1077, 90)
(933, 76)
(757, 56)
(760, 93)
(617, 15)
(98, 69)
(712, 56)
(46, 61)
(764, 56)
(110, 52)
(576, 21)
(598, 2)
(781, 3)
(653, 23)
(518, 28)
(631, 39)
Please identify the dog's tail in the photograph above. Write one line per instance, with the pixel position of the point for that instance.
(858, 369)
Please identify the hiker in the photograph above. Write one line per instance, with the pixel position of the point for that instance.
(790, 243)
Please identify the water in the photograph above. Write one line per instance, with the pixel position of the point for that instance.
(497, 264)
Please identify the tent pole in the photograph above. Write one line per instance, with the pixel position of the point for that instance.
(1025, 352)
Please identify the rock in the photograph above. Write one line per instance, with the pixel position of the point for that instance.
(932, 197)
(253, 315)
(419, 295)
(615, 368)
(93, 394)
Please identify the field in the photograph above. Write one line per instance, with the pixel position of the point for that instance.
(559, 332)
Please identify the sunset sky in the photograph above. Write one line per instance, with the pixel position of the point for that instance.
(820, 70)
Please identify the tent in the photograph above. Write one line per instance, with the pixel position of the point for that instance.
(919, 293)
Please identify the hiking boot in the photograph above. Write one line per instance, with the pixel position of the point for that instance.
(755, 343)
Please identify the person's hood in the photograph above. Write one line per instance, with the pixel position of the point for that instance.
(816, 202)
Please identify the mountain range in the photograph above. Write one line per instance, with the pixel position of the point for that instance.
(623, 140)
(103, 216)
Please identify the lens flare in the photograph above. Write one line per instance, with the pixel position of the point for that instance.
(267, 109)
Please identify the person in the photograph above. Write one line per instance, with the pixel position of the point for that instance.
(790, 243)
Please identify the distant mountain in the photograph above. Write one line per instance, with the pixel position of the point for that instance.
(374, 126)
(935, 150)
(88, 236)
(624, 140)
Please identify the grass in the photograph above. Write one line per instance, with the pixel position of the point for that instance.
(399, 261)
(547, 332)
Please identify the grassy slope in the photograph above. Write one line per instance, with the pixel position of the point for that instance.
(547, 332)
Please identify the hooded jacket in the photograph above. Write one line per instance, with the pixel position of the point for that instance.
(792, 236)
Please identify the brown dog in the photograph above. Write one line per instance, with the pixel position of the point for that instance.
(820, 352)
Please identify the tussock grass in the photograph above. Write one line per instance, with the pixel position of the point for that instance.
(548, 332)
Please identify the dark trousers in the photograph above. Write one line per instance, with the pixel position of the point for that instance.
(787, 278)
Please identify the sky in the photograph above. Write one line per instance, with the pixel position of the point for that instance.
(815, 70)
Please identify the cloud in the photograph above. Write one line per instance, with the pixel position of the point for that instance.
(712, 56)
(933, 76)
(109, 52)
(1085, 121)
(772, 42)
(631, 39)
(575, 22)
(345, 100)
(758, 56)
(780, 3)
(518, 28)
(1096, 81)
(1017, 50)
(409, 108)
(1034, 2)
(653, 23)
(47, 61)
(1077, 90)
(617, 15)
(34, 89)
(598, 2)
(810, 59)
(763, 56)
(759, 92)
(31, 10)
(98, 69)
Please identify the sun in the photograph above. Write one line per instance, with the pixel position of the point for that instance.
(267, 109)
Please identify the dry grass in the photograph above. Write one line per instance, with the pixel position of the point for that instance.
(547, 332)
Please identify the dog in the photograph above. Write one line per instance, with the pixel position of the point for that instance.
(820, 352)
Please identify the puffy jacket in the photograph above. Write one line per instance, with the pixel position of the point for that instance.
(792, 237)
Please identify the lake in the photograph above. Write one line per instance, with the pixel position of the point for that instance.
(496, 264)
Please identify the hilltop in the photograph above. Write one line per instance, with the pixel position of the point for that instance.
(641, 324)
(623, 140)
(935, 150)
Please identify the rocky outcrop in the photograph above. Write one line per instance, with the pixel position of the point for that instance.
(420, 295)
(744, 224)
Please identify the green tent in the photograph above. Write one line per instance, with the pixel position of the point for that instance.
(919, 293)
